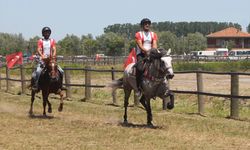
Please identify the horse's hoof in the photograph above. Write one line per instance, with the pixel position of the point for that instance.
(125, 122)
(30, 112)
(60, 108)
(150, 125)
(49, 110)
(170, 106)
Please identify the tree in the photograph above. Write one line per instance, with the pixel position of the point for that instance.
(196, 42)
(90, 46)
(32, 44)
(167, 40)
(111, 44)
(69, 45)
(248, 28)
(11, 43)
(230, 45)
(182, 46)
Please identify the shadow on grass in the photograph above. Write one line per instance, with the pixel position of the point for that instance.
(132, 125)
(40, 117)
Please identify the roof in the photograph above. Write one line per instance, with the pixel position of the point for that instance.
(229, 32)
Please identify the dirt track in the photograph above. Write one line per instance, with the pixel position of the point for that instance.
(212, 83)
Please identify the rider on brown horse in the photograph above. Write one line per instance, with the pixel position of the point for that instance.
(46, 47)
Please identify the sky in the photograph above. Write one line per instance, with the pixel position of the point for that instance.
(82, 17)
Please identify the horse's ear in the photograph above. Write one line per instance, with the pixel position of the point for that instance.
(169, 51)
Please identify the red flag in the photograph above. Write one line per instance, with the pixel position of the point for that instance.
(14, 58)
(31, 57)
(131, 58)
(97, 57)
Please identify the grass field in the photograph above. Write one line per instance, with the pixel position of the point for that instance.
(97, 125)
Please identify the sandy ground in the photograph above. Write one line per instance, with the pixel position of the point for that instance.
(212, 83)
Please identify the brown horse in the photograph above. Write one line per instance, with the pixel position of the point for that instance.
(158, 69)
(49, 82)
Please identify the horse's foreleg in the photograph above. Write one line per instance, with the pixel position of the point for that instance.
(32, 101)
(142, 101)
(45, 100)
(170, 105)
(126, 98)
(49, 106)
(60, 108)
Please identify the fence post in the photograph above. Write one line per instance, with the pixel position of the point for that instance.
(22, 79)
(114, 91)
(200, 89)
(87, 83)
(7, 79)
(234, 112)
(67, 82)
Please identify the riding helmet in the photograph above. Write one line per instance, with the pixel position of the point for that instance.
(145, 20)
(45, 29)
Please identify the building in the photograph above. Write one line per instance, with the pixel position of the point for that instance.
(221, 38)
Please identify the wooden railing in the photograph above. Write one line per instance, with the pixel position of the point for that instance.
(234, 96)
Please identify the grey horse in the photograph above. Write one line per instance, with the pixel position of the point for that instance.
(157, 70)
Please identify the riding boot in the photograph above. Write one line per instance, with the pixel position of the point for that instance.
(138, 82)
(35, 86)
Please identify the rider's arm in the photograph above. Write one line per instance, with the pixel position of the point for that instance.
(139, 43)
(54, 51)
(154, 43)
(39, 49)
(53, 48)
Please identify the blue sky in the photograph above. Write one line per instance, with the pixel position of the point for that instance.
(80, 17)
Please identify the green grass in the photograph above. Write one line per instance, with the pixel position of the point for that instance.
(96, 125)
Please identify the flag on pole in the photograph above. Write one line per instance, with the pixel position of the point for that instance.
(131, 58)
(14, 58)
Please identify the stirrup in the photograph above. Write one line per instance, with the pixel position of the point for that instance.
(36, 89)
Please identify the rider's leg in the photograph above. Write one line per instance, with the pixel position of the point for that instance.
(37, 76)
(139, 72)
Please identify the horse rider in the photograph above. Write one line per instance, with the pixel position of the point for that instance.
(145, 41)
(46, 47)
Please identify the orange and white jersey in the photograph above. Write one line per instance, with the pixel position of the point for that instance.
(46, 46)
(147, 39)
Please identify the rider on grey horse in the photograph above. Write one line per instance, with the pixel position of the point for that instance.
(46, 47)
(145, 40)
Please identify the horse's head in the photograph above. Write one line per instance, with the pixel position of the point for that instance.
(161, 63)
(167, 59)
(51, 67)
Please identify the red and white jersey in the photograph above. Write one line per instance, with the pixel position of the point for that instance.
(147, 39)
(46, 46)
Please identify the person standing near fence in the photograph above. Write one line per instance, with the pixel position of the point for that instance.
(46, 47)
(145, 41)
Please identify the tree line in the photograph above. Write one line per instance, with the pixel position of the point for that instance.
(118, 39)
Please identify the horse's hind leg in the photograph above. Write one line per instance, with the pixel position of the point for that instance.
(149, 113)
(32, 101)
(126, 98)
(60, 108)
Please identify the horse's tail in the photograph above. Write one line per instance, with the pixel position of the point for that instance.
(116, 84)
